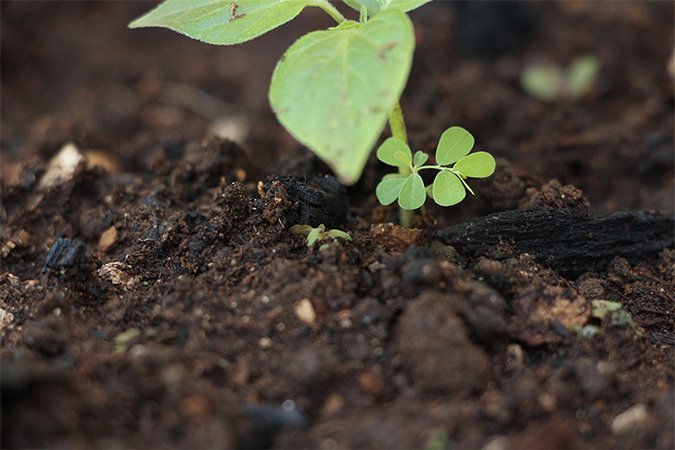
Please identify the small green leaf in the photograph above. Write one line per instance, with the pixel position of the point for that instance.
(600, 308)
(388, 190)
(315, 235)
(581, 75)
(303, 230)
(394, 152)
(413, 194)
(338, 234)
(476, 165)
(375, 6)
(448, 189)
(420, 158)
(221, 22)
(333, 90)
(430, 191)
(542, 81)
(455, 143)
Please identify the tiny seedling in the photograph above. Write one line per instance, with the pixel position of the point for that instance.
(123, 339)
(335, 89)
(551, 83)
(320, 234)
(454, 165)
(606, 311)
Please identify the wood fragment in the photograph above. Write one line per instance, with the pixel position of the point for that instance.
(570, 241)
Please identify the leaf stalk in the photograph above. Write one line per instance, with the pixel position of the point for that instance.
(398, 130)
(330, 10)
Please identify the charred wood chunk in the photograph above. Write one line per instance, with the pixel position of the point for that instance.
(319, 199)
(570, 241)
(63, 253)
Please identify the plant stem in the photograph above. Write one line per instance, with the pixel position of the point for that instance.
(330, 10)
(397, 126)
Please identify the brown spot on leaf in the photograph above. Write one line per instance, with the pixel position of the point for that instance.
(233, 11)
(383, 51)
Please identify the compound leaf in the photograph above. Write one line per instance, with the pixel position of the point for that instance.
(413, 193)
(455, 143)
(388, 190)
(448, 190)
(375, 6)
(394, 152)
(476, 165)
(221, 22)
(333, 89)
(420, 158)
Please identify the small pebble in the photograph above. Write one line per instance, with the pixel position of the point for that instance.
(108, 239)
(332, 405)
(116, 273)
(304, 310)
(265, 342)
(6, 318)
(62, 167)
(631, 419)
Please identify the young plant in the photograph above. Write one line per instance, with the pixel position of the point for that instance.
(333, 90)
(449, 186)
(320, 234)
(551, 83)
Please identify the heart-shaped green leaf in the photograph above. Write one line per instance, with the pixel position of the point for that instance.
(388, 190)
(454, 144)
(394, 152)
(413, 193)
(420, 158)
(375, 6)
(448, 190)
(222, 22)
(476, 165)
(333, 90)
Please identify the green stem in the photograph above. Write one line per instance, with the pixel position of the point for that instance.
(397, 126)
(330, 10)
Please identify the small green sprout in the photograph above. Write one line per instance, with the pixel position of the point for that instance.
(614, 311)
(449, 187)
(608, 312)
(319, 234)
(551, 83)
(123, 339)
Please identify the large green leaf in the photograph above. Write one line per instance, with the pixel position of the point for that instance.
(222, 22)
(413, 193)
(476, 165)
(455, 143)
(333, 89)
(388, 190)
(448, 190)
(375, 6)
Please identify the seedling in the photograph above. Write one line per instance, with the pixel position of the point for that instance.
(607, 312)
(333, 90)
(123, 339)
(449, 186)
(551, 83)
(320, 234)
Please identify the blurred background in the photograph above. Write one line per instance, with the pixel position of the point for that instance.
(507, 71)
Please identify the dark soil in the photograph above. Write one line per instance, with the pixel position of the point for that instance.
(154, 296)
